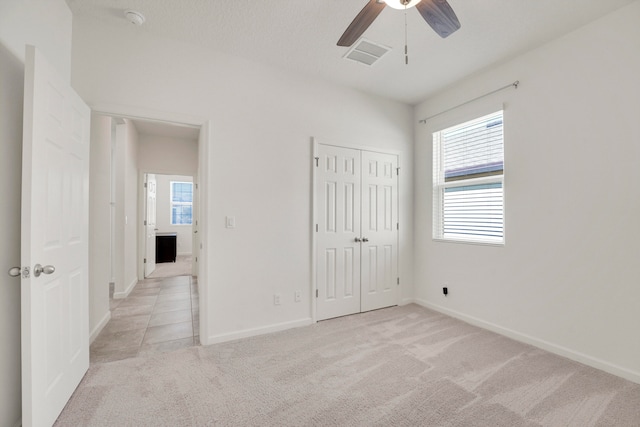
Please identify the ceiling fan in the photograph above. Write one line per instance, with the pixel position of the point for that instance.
(438, 14)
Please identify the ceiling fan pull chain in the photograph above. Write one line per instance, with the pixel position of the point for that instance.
(406, 49)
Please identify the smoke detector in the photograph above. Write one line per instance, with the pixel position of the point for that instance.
(133, 16)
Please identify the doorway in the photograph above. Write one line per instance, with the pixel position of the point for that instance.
(168, 225)
(356, 256)
(153, 311)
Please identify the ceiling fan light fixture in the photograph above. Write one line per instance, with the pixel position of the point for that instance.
(400, 4)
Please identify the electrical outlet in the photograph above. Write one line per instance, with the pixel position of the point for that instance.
(445, 291)
(276, 299)
(297, 296)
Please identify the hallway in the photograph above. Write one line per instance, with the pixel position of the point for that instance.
(159, 315)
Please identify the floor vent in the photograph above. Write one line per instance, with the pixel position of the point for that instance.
(367, 52)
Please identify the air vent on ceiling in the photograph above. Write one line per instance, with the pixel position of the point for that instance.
(367, 52)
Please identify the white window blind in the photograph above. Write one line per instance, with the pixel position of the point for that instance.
(468, 165)
(181, 203)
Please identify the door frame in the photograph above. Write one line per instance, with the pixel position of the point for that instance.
(205, 142)
(142, 207)
(314, 205)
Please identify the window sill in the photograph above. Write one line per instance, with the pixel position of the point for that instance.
(470, 242)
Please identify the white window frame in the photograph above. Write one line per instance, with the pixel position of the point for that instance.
(440, 185)
(172, 203)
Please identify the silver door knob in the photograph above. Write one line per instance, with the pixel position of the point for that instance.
(364, 239)
(357, 240)
(47, 269)
(14, 271)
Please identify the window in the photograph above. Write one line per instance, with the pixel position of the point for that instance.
(468, 170)
(181, 203)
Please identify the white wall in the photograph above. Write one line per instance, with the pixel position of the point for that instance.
(260, 161)
(167, 155)
(567, 277)
(126, 221)
(47, 25)
(163, 213)
(99, 223)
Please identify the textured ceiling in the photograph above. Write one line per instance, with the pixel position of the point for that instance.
(301, 35)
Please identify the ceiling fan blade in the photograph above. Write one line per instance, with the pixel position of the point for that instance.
(440, 16)
(361, 22)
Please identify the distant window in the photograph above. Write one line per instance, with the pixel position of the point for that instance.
(181, 203)
(468, 171)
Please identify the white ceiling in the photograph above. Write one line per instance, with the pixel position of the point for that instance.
(301, 35)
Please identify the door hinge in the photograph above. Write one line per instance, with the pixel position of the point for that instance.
(317, 160)
(145, 185)
(145, 222)
(196, 259)
(397, 171)
(145, 261)
(316, 228)
(398, 280)
(196, 186)
(397, 226)
(316, 293)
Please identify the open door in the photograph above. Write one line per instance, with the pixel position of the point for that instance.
(55, 224)
(150, 225)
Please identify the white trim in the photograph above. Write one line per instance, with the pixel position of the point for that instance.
(126, 292)
(407, 301)
(130, 112)
(245, 333)
(537, 342)
(205, 147)
(359, 147)
(313, 300)
(99, 327)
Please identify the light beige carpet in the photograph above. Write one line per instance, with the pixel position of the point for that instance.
(402, 366)
(182, 267)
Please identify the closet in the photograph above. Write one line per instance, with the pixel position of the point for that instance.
(356, 256)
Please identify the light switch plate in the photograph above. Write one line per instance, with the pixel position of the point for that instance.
(231, 222)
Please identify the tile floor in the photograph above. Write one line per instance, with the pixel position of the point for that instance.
(159, 315)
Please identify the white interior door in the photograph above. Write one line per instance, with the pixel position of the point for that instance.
(338, 215)
(379, 230)
(55, 218)
(150, 225)
(357, 231)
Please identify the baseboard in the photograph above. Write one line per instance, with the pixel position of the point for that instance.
(126, 292)
(100, 326)
(406, 301)
(536, 342)
(231, 336)
(183, 253)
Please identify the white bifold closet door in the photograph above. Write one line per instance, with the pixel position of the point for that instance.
(356, 198)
